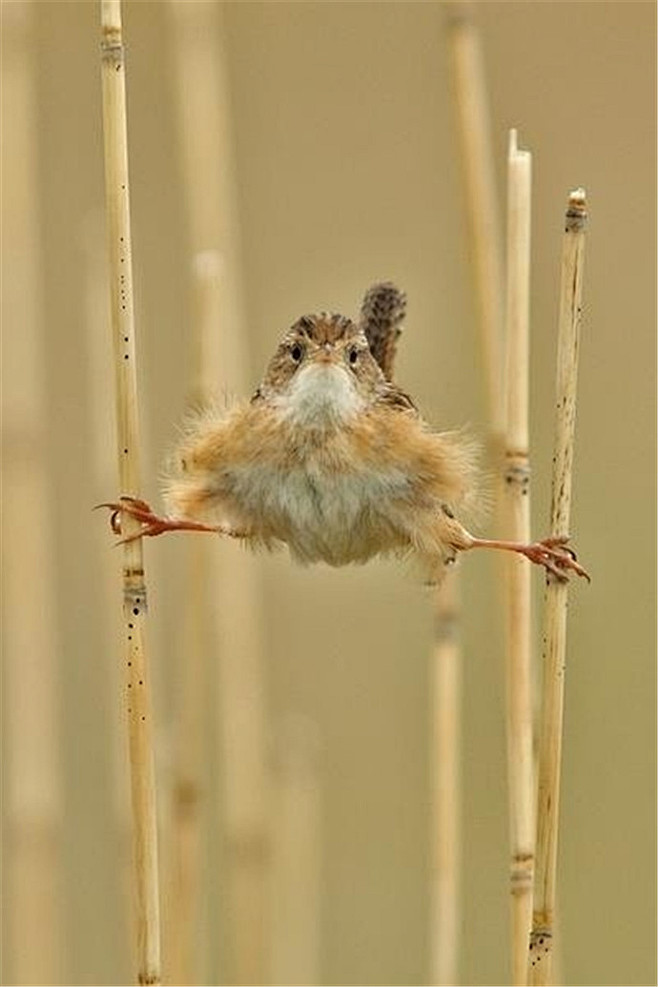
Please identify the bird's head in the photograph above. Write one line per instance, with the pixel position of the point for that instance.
(323, 372)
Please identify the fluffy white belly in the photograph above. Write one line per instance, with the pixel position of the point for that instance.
(333, 517)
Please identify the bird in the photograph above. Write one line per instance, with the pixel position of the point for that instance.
(331, 458)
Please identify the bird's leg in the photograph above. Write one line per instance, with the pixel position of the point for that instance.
(152, 524)
(552, 553)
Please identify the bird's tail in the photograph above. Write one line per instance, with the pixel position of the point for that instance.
(383, 309)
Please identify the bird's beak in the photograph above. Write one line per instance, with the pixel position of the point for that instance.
(325, 354)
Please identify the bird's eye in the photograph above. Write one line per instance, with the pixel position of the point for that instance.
(354, 355)
(296, 352)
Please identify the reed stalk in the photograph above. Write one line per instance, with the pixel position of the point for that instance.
(540, 954)
(477, 163)
(296, 856)
(209, 183)
(445, 844)
(33, 947)
(516, 474)
(477, 159)
(103, 466)
(245, 783)
(138, 701)
(189, 797)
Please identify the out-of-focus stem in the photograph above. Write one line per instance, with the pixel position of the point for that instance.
(209, 188)
(516, 497)
(477, 159)
(33, 950)
(295, 898)
(445, 844)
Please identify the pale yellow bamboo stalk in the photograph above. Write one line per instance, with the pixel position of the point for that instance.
(477, 159)
(556, 598)
(296, 856)
(516, 474)
(445, 845)
(137, 695)
(209, 186)
(33, 950)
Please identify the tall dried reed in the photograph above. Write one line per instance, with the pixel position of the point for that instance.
(478, 169)
(138, 702)
(209, 189)
(445, 844)
(33, 948)
(540, 956)
(296, 855)
(477, 159)
(187, 958)
(516, 494)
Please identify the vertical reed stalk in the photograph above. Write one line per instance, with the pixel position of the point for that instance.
(103, 470)
(295, 899)
(481, 200)
(477, 163)
(103, 467)
(516, 474)
(32, 781)
(184, 962)
(446, 843)
(190, 806)
(140, 727)
(556, 598)
(206, 149)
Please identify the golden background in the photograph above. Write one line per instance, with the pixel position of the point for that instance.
(347, 171)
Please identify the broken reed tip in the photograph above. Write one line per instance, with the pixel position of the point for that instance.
(111, 15)
(577, 199)
(514, 152)
(576, 216)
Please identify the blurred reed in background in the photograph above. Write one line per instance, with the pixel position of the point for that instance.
(284, 156)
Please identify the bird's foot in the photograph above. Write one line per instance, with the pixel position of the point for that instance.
(553, 553)
(151, 523)
(556, 557)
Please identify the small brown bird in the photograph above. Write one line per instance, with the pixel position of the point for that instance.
(332, 459)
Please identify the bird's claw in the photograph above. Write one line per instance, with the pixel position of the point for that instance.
(556, 557)
(151, 524)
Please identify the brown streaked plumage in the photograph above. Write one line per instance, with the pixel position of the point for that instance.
(331, 458)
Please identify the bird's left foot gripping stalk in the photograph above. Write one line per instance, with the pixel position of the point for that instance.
(553, 553)
(153, 524)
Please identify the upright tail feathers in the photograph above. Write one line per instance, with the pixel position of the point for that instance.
(382, 312)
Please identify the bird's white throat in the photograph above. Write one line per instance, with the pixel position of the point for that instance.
(321, 394)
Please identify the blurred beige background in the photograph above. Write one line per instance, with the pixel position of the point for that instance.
(348, 171)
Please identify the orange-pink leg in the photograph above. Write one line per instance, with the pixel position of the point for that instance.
(552, 553)
(152, 524)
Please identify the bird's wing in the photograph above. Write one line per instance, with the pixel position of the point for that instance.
(394, 397)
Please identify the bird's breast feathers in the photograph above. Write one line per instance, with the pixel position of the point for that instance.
(333, 480)
(318, 498)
